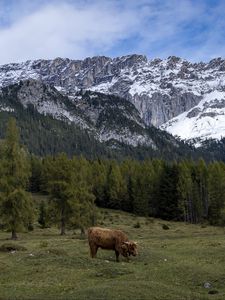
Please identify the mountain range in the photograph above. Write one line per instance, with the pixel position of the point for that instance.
(123, 99)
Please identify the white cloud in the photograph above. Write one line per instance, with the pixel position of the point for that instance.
(65, 30)
(80, 28)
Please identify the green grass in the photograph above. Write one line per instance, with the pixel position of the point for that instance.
(172, 264)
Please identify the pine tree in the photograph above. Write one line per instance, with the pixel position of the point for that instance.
(168, 202)
(158, 170)
(61, 191)
(115, 187)
(127, 169)
(202, 174)
(216, 187)
(71, 198)
(43, 214)
(99, 181)
(16, 205)
(142, 189)
(84, 209)
(185, 191)
(35, 179)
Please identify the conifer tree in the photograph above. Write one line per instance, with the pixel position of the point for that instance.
(99, 181)
(127, 169)
(115, 187)
(185, 191)
(216, 187)
(61, 191)
(71, 199)
(84, 209)
(158, 170)
(35, 179)
(142, 190)
(202, 175)
(43, 214)
(128, 204)
(16, 205)
(168, 207)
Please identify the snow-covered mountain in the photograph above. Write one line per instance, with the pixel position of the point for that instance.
(202, 122)
(187, 99)
(89, 123)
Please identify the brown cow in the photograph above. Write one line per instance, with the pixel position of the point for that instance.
(112, 240)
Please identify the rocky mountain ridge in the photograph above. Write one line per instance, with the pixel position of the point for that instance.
(106, 117)
(89, 123)
(165, 92)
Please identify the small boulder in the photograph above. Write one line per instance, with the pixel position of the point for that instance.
(207, 285)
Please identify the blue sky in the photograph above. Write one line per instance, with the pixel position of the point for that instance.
(32, 29)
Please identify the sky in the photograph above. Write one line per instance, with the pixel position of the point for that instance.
(46, 29)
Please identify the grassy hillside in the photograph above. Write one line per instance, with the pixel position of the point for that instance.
(172, 264)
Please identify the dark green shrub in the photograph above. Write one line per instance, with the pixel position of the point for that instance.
(8, 247)
(165, 227)
(137, 225)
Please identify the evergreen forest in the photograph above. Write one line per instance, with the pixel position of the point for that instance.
(185, 190)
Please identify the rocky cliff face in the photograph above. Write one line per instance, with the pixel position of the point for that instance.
(160, 89)
(105, 117)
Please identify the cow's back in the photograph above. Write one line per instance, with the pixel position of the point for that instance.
(105, 238)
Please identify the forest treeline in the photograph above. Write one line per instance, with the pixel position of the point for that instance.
(187, 191)
(190, 191)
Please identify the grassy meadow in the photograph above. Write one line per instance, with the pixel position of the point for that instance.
(173, 264)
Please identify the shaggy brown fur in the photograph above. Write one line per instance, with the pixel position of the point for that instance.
(112, 240)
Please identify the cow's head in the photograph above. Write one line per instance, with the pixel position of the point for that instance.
(130, 248)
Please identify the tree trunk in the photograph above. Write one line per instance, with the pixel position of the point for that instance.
(14, 235)
(63, 227)
(93, 219)
(82, 231)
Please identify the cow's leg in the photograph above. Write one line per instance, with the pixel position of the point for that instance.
(117, 255)
(93, 250)
(127, 258)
